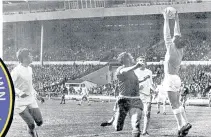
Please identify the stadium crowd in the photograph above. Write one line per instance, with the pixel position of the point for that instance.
(48, 75)
(107, 47)
(195, 77)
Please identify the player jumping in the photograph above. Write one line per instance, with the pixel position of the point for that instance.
(172, 82)
(128, 100)
(25, 103)
(145, 86)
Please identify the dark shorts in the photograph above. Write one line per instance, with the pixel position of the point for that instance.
(123, 107)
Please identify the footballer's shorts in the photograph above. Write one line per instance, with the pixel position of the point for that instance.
(146, 98)
(172, 83)
(20, 106)
(125, 105)
(162, 96)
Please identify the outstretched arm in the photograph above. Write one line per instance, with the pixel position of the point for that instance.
(176, 26)
(132, 68)
(166, 31)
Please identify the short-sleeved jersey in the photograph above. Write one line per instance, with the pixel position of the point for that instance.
(127, 83)
(145, 80)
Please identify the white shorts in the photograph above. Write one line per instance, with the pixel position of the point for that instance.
(172, 83)
(161, 98)
(146, 98)
(20, 107)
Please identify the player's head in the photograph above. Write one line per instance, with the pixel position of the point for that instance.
(24, 56)
(179, 41)
(142, 59)
(125, 58)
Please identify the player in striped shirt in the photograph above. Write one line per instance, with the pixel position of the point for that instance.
(145, 86)
(172, 81)
(25, 103)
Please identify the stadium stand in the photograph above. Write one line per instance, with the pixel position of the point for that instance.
(11, 7)
(103, 39)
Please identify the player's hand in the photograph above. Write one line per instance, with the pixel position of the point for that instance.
(41, 99)
(24, 95)
(165, 14)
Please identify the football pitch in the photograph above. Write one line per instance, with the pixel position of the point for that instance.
(72, 120)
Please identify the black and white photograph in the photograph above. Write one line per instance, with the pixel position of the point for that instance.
(108, 68)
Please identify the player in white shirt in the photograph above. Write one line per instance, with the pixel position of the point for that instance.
(25, 102)
(145, 86)
(161, 98)
(85, 95)
(172, 81)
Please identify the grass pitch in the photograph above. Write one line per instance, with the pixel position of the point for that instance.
(72, 120)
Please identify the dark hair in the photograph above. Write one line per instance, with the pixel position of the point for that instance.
(22, 53)
(180, 42)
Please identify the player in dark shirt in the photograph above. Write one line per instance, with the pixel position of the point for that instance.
(128, 100)
(184, 93)
(64, 89)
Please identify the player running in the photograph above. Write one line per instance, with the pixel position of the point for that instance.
(25, 103)
(172, 82)
(128, 100)
(145, 86)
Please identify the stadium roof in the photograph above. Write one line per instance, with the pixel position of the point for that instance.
(13, 2)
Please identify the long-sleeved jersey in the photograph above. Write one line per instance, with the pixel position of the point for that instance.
(22, 80)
